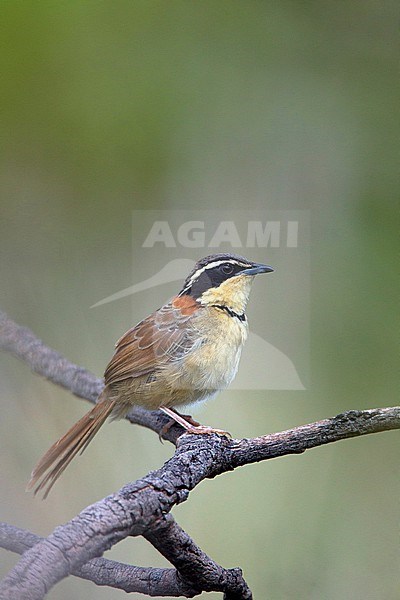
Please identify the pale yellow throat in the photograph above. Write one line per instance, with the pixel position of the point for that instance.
(232, 293)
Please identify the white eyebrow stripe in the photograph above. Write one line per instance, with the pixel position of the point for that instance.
(211, 265)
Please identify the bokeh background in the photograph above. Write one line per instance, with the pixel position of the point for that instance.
(108, 107)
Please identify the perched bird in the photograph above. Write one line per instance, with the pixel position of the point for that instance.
(185, 352)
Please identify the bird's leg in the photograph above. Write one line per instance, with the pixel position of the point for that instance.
(190, 424)
(185, 421)
(188, 418)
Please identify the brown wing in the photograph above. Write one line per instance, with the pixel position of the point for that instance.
(162, 336)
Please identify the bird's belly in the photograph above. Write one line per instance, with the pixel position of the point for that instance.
(211, 366)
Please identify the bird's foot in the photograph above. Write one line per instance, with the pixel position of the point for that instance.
(206, 430)
(177, 418)
(189, 424)
(164, 430)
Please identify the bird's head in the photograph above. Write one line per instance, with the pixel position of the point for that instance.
(223, 280)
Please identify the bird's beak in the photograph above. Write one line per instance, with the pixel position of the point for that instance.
(256, 269)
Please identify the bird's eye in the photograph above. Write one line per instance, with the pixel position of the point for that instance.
(227, 269)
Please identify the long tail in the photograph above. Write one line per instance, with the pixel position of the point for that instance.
(57, 458)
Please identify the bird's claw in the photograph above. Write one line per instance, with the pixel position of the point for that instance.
(206, 430)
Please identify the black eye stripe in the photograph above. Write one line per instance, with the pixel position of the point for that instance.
(213, 276)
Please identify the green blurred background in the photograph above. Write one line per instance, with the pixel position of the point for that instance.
(109, 107)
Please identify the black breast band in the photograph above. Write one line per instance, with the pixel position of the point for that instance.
(230, 312)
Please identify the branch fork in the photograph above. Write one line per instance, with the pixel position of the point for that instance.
(143, 507)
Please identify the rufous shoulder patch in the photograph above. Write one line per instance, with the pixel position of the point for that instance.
(186, 304)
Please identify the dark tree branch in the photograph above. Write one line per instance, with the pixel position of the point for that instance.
(193, 564)
(104, 572)
(45, 361)
(140, 508)
(24, 344)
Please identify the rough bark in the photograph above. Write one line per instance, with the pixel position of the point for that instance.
(143, 507)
